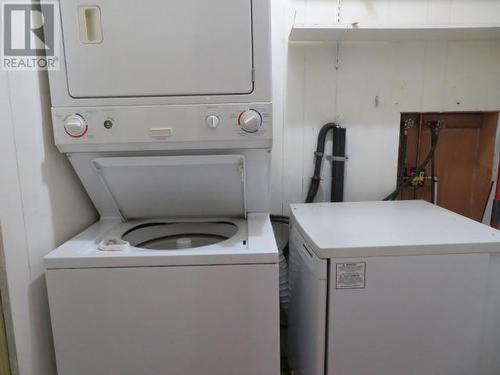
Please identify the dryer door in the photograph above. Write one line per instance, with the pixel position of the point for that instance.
(131, 48)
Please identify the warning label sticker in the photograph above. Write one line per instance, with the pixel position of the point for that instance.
(351, 275)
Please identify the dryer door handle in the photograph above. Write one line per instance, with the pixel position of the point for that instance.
(89, 19)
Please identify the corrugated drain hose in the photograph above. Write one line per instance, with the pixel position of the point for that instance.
(318, 159)
(313, 190)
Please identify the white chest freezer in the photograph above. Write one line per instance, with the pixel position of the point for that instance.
(392, 288)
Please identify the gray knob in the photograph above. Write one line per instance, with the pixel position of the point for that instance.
(75, 125)
(250, 121)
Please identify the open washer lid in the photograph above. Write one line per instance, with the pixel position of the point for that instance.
(174, 186)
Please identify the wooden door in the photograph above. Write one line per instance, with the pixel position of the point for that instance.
(463, 159)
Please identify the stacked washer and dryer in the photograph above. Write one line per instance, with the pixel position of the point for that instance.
(164, 111)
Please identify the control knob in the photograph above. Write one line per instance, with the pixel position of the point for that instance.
(75, 125)
(250, 121)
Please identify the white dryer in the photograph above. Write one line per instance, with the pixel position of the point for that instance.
(164, 111)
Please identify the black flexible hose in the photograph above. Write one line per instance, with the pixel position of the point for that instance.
(403, 145)
(318, 156)
(339, 151)
(433, 181)
(280, 219)
(434, 142)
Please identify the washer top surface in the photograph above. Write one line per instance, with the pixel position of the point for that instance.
(157, 242)
(358, 229)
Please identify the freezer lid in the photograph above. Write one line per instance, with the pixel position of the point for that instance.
(132, 48)
(359, 229)
(174, 186)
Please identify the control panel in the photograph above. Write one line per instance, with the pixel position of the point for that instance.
(163, 127)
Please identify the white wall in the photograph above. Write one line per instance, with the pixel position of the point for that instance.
(41, 205)
(416, 12)
(412, 76)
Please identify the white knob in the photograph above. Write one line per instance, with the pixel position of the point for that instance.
(250, 121)
(212, 121)
(75, 125)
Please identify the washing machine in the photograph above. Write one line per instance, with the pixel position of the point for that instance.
(392, 288)
(167, 120)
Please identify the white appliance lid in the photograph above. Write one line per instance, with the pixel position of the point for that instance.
(174, 186)
(357, 229)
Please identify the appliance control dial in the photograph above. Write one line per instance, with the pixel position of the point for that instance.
(212, 121)
(75, 125)
(250, 121)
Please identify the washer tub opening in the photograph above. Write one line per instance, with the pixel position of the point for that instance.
(175, 236)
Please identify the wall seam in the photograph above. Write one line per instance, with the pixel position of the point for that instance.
(12, 342)
(18, 177)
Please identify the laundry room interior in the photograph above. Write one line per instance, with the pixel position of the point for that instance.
(272, 187)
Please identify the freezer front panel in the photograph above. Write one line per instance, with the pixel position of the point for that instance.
(407, 314)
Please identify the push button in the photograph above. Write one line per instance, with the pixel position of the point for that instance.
(160, 132)
(212, 121)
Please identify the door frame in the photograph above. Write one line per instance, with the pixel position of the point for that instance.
(4, 351)
(6, 340)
